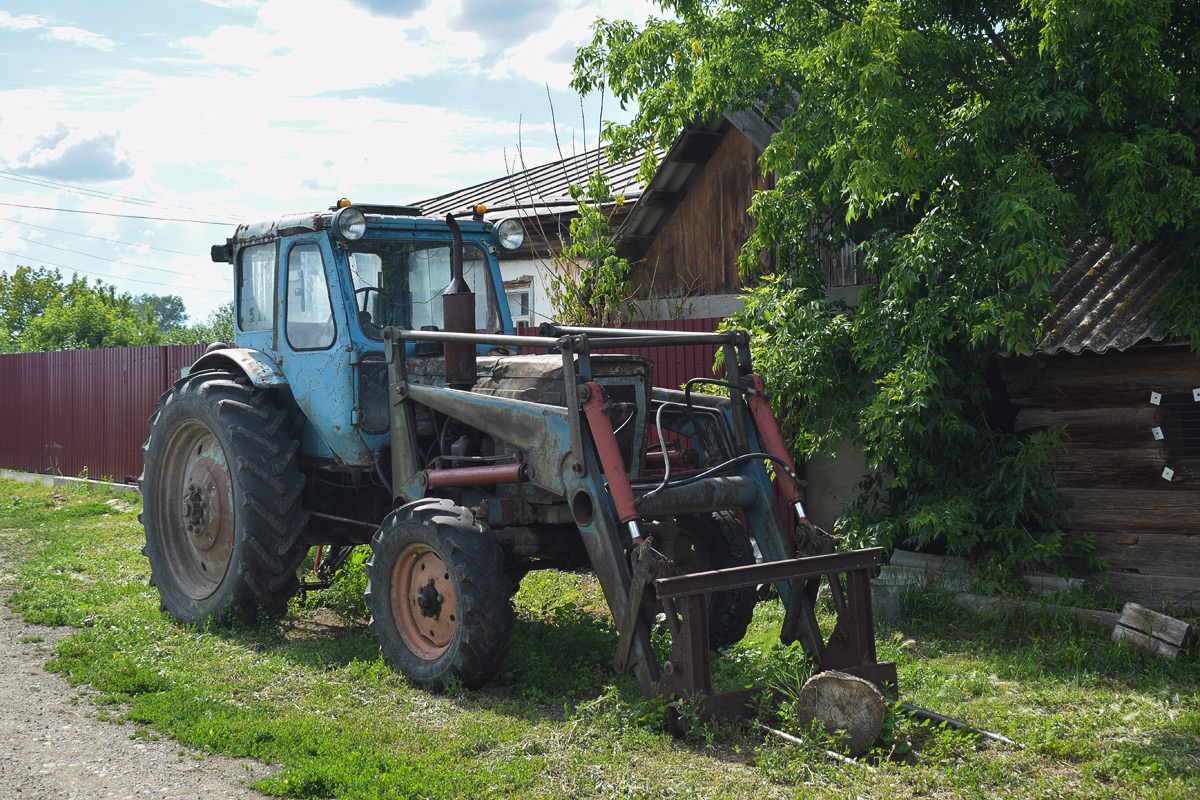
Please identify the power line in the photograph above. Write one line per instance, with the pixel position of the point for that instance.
(99, 238)
(124, 198)
(102, 258)
(120, 277)
(122, 216)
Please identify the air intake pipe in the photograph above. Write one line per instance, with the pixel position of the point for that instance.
(458, 316)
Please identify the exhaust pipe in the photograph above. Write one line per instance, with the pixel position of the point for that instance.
(458, 316)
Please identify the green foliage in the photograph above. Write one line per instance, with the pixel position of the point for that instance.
(964, 148)
(589, 283)
(217, 328)
(39, 312)
(168, 311)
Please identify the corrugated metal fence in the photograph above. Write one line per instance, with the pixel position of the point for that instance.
(84, 412)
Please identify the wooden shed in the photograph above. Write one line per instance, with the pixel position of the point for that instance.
(1128, 397)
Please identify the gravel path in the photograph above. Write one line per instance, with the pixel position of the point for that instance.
(54, 749)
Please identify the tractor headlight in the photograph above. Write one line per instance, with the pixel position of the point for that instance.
(509, 234)
(349, 224)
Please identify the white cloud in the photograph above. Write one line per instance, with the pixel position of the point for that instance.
(73, 156)
(503, 26)
(546, 55)
(53, 32)
(80, 37)
(21, 22)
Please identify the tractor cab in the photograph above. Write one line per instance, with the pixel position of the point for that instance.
(314, 293)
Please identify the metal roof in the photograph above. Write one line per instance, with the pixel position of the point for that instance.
(1105, 299)
(539, 190)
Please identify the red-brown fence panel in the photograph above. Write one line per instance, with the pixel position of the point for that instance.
(83, 412)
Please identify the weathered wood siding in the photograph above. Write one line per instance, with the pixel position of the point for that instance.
(1146, 526)
(697, 250)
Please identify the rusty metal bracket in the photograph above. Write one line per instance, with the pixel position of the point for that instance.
(647, 565)
(850, 648)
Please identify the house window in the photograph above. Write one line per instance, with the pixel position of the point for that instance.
(520, 304)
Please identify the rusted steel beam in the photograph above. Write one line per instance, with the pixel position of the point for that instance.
(477, 476)
(768, 572)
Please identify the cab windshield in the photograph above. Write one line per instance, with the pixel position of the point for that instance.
(401, 283)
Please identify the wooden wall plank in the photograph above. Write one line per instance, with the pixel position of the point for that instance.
(698, 248)
(1144, 510)
(1149, 553)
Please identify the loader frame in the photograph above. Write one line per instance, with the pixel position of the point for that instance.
(571, 450)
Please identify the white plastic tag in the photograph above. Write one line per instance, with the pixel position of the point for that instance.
(1168, 473)
(1156, 398)
(1158, 434)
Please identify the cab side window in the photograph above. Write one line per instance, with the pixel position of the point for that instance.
(309, 312)
(256, 288)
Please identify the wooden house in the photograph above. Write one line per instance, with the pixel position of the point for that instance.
(539, 197)
(1127, 396)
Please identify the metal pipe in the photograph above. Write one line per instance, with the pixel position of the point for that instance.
(711, 494)
(693, 337)
(661, 340)
(345, 520)
(402, 335)
(933, 716)
(477, 476)
(458, 315)
(787, 737)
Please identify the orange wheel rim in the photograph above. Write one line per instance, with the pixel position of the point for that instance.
(424, 602)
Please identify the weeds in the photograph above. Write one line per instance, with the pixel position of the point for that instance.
(314, 697)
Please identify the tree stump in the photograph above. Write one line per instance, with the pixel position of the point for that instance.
(843, 702)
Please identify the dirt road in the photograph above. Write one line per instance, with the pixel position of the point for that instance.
(52, 747)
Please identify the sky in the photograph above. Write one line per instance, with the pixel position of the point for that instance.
(216, 112)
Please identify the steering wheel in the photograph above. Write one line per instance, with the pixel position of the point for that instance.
(369, 325)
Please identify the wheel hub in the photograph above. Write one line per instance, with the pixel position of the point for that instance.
(196, 510)
(424, 601)
(429, 601)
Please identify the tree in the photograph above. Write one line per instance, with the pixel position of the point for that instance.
(589, 282)
(168, 310)
(83, 317)
(964, 147)
(217, 328)
(24, 296)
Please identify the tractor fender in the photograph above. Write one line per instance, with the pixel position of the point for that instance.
(263, 372)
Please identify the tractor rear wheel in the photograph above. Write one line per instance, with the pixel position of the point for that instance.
(221, 501)
(438, 595)
(717, 541)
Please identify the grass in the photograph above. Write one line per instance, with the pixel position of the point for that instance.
(311, 696)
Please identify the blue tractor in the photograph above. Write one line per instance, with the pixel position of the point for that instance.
(376, 394)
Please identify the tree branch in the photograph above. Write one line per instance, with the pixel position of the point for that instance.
(999, 43)
(839, 14)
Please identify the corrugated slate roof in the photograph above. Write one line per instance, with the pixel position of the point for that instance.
(1105, 298)
(539, 190)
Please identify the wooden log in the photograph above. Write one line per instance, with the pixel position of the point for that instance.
(843, 702)
(1102, 620)
(1157, 633)
(1144, 474)
(1146, 510)
(1168, 554)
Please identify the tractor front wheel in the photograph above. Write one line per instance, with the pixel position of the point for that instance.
(438, 595)
(717, 541)
(221, 501)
